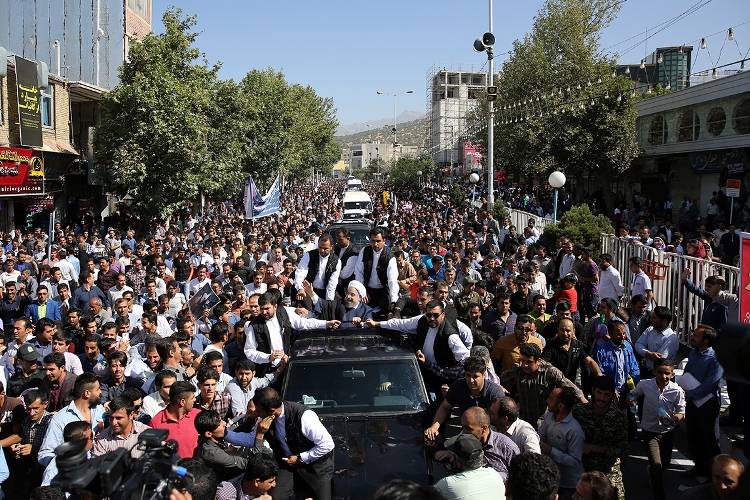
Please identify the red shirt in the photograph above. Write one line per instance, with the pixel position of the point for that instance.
(183, 432)
(572, 296)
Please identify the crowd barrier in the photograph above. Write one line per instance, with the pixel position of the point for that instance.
(520, 219)
(664, 269)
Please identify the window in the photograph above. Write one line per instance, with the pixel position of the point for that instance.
(717, 120)
(48, 108)
(140, 7)
(741, 121)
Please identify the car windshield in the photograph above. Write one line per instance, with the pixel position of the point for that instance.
(357, 386)
(358, 205)
(360, 236)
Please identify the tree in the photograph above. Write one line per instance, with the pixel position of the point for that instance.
(285, 128)
(403, 173)
(580, 225)
(161, 138)
(559, 108)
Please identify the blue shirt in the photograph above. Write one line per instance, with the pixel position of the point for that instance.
(714, 314)
(54, 437)
(88, 366)
(617, 363)
(566, 438)
(81, 298)
(706, 369)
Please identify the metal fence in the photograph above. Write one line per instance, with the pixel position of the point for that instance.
(664, 269)
(520, 219)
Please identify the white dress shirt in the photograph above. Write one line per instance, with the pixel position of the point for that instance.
(566, 264)
(664, 342)
(525, 436)
(312, 429)
(457, 346)
(373, 281)
(671, 399)
(274, 333)
(348, 269)
(319, 281)
(610, 284)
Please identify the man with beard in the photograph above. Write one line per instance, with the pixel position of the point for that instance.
(604, 427)
(84, 407)
(123, 430)
(349, 310)
(506, 351)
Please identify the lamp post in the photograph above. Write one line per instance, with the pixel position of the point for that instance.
(394, 115)
(556, 180)
(473, 178)
(419, 178)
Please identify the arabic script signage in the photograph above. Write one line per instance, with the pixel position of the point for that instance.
(21, 172)
(29, 103)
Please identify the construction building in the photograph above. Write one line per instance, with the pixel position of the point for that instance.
(451, 98)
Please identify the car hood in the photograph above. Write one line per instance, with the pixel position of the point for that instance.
(372, 451)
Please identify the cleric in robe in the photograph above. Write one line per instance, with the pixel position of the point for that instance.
(350, 309)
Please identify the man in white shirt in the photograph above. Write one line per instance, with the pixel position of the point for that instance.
(377, 269)
(641, 284)
(69, 273)
(293, 424)
(320, 267)
(658, 341)
(568, 259)
(157, 400)
(11, 273)
(120, 287)
(610, 281)
(200, 281)
(504, 418)
(269, 335)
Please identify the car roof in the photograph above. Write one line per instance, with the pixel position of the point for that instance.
(354, 342)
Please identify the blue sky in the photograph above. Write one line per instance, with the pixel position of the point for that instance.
(348, 50)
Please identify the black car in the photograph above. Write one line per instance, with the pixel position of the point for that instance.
(358, 229)
(369, 393)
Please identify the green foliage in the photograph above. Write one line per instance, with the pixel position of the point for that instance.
(580, 225)
(171, 129)
(552, 112)
(499, 211)
(412, 133)
(458, 195)
(157, 139)
(403, 174)
(283, 128)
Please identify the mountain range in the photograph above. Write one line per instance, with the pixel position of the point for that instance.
(405, 116)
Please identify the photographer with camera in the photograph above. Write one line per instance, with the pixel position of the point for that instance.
(73, 431)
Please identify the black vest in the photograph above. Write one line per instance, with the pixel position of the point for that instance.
(349, 252)
(263, 337)
(312, 266)
(313, 473)
(381, 269)
(443, 354)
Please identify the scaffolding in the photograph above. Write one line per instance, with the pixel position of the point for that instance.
(451, 97)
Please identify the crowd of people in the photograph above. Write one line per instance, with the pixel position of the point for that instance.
(552, 369)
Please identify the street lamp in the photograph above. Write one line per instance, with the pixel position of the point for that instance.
(419, 178)
(394, 115)
(556, 180)
(474, 178)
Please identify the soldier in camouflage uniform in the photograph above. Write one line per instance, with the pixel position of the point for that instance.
(606, 431)
(467, 298)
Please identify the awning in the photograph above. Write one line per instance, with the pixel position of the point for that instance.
(85, 92)
(57, 146)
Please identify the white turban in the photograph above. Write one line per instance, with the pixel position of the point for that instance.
(361, 290)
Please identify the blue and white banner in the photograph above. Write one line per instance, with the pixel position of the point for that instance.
(262, 206)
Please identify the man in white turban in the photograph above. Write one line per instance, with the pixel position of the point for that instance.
(349, 310)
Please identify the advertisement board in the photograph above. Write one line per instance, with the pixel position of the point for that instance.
(29, 103)
(745, 277)
(21, 172)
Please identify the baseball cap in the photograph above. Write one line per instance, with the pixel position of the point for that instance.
(468, 280)
(466, 447)
(28, 352)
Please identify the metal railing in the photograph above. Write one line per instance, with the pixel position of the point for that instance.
(520, 219)
(664, 269)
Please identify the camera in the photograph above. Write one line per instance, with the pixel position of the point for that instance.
(117, 476)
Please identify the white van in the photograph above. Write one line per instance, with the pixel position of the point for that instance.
(357, 204)
(354, 184)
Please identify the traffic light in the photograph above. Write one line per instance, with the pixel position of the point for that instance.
(492, 93)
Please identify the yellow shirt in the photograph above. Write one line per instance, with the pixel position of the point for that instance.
(507, 351)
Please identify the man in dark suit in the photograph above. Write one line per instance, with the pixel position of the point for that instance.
(49, 308)
(57, 382)
(302, 447)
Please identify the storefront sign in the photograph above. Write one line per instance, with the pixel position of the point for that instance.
(733, 188)
(21, 172)
(716, 161)
(39, 203)
(745, 277)
(29, 103)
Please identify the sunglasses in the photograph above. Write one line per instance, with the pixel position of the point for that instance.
(433, 315)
